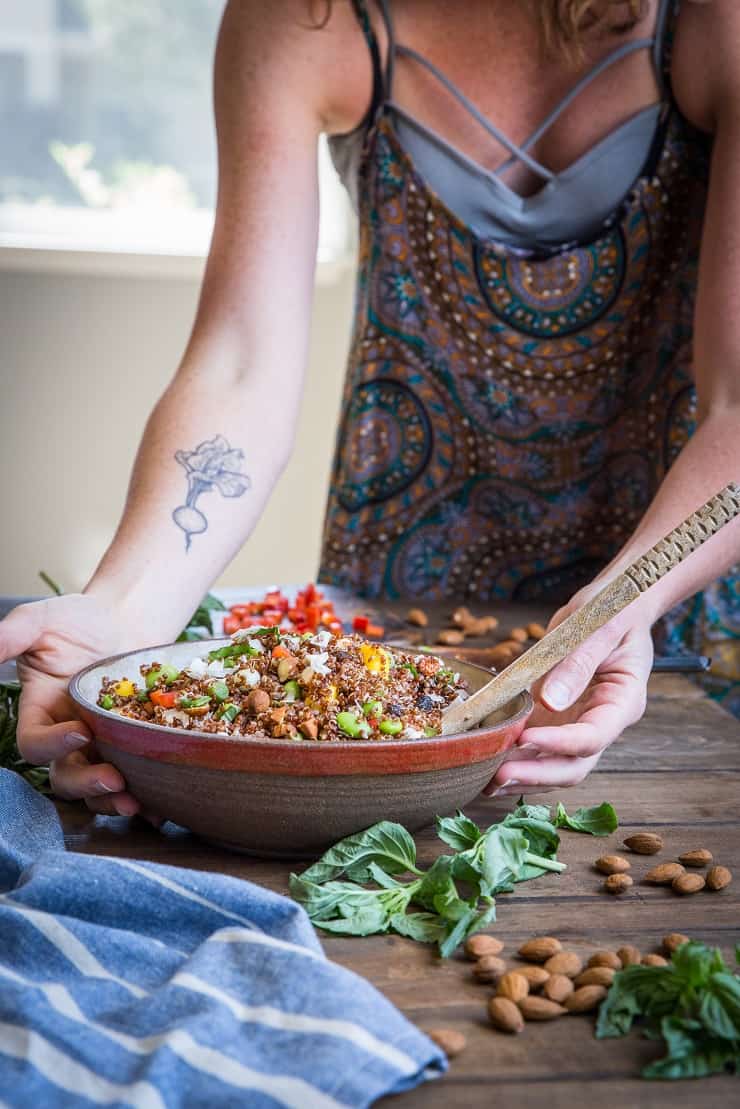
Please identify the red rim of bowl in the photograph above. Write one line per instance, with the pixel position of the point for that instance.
(293, 757)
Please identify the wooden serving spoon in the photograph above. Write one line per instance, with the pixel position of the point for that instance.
(558, 643)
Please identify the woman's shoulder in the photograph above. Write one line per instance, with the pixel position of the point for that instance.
(308, 49)
(705, 68)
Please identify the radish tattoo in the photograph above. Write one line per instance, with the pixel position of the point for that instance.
(214, 464)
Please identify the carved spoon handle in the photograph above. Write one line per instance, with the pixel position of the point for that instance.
(558, 643)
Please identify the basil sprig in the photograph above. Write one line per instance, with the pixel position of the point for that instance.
(692, 1004)
(356, 888)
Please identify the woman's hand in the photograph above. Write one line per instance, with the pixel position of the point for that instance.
(582, 705)
(52, 640)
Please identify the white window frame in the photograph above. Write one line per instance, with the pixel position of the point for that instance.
(133, 243)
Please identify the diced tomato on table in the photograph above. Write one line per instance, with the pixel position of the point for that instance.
(308, 612)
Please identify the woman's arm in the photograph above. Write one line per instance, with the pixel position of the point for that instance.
(600, 689)
(238, 388)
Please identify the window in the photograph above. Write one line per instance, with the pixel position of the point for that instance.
(108, 143)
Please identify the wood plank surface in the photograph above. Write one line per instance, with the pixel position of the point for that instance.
(676, 772)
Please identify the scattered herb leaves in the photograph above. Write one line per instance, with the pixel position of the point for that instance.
(457, 893)
(200, 624)
(692, 1004)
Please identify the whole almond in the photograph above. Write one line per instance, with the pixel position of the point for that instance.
(557, 988)
(585, 999)
(536, 976)
(489, 968)
(513, 646)
(673, 941)
(664, 873)
(605, 959)
(479, 945)
(519, 635)
(644, 843)
(617, 883)
(541, 948)
(629, 955)
(565, 962)
(612, 864)
(418, 617)
(654, 961)
(689, 883)
(596, 976)
(536, 631)
(505, 1015)
(451, 1041)
(539, 1008)
(451, 637)
(718, 878)
(513, 985)
(699, 857)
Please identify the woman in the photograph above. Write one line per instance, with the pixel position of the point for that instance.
(512, 404)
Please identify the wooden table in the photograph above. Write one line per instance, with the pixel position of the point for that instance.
(678, 773)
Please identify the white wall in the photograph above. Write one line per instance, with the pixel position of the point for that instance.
(82, 359)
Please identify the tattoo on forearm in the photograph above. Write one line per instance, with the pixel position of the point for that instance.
(213, 464)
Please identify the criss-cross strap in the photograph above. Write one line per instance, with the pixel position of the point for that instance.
(658, 44)
(518, 153)
(617, 55)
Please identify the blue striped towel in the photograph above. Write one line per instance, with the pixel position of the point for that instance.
(125, 983)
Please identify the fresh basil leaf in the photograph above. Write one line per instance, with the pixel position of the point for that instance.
(692, 1054)
(472, 921)
(694, 963)
(719, 1010)
(437, 890)
(532, 812)
(635, 991)
(458, 831)
(424, 927)
(387, 844)
(542, 835)
(601, 820)
(377, 874)
(502, 857)
(366, 920)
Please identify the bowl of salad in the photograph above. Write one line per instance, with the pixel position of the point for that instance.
(280, 743)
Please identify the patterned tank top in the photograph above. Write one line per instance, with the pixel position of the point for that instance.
(508, 415)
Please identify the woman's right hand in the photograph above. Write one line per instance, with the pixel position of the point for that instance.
(52, 640)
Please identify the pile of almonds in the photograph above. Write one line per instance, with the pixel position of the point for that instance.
(550, 982)
(673, 874)
(465, 625)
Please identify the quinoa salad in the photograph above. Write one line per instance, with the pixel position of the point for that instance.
(315, 686)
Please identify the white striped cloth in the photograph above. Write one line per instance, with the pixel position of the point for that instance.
(132, 984)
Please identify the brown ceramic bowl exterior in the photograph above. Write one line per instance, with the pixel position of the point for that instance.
(289, 798)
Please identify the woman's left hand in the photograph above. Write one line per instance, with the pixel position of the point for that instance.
(581, 706)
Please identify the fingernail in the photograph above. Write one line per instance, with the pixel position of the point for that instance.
(499, 789)
(103, 787)
(73, 741)
(557, 694)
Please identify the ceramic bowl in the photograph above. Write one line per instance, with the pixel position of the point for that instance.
(288, 798)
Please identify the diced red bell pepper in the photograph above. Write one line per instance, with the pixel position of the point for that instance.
(232, 623)
(164, 698)
(360, 623)
(271, 617)
(280, 651)
(375, 630)
(335, 627)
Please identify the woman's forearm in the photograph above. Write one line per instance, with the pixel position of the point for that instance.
(709, 462)
(210, 456)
